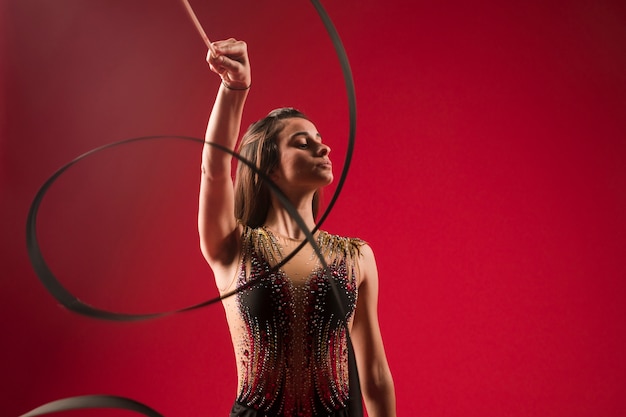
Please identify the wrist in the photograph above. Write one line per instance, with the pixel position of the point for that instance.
(235, 87)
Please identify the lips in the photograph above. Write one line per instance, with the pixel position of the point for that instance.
(326, 164)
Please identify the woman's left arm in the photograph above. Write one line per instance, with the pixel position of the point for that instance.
(374, 373)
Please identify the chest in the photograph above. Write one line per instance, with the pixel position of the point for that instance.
(302, 293)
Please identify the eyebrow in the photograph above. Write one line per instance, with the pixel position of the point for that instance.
(303, 133)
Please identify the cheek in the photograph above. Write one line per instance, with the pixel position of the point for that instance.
(290, 164)
(284, 169)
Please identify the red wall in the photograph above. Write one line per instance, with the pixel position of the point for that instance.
(489, 177)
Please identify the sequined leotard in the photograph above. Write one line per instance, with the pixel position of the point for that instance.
(288, 330)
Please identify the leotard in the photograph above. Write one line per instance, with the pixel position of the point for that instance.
(289, 329)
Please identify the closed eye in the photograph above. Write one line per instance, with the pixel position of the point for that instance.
(303, 139)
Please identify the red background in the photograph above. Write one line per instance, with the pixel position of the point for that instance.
(489, 177)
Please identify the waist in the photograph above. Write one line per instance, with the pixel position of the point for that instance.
(242, 410)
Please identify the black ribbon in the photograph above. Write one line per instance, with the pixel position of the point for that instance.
(92, 401)
(73, 303)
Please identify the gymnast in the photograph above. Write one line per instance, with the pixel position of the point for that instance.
(291, 331)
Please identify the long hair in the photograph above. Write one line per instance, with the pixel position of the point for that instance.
(258, 145)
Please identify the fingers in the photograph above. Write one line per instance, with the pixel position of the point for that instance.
(230, 46)
(227, 52)
(215, 63)
(225, 64)
(229, 59)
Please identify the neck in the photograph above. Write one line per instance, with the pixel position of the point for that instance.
(280, 221)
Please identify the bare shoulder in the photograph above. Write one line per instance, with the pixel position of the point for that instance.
(367, 253)
(367, 258)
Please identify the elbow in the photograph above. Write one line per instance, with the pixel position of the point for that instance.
(379, 392)
(215, 166)
(380, 384)
(214, 172)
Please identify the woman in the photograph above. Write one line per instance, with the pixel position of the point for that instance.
(288, 329)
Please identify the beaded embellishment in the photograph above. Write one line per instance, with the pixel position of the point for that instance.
(291, 346)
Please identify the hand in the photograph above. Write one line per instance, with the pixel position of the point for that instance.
(231, 62)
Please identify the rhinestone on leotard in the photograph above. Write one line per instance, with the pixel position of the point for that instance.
(292, 347)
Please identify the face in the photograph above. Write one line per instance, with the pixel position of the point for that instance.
(304, 158)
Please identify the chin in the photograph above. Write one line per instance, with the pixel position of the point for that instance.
(328, 180)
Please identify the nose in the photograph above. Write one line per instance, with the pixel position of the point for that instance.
(323, 149)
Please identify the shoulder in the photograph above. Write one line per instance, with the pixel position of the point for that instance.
(356, 251)
(367, 259)
(350, 246)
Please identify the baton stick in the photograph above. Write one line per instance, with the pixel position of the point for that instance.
(198, 26)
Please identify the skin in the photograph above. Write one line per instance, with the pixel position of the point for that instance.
(303, 168)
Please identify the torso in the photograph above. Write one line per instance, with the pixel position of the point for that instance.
(288, 326)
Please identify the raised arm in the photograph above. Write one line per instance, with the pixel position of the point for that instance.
(217, 226)
(374, 374)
